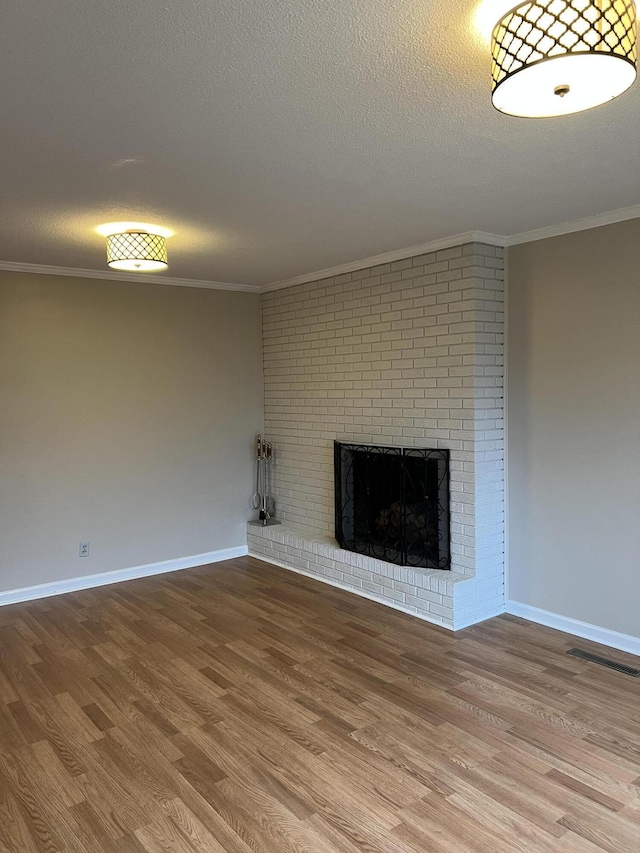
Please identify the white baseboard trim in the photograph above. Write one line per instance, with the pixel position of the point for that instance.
(45, 590)
(604, 636)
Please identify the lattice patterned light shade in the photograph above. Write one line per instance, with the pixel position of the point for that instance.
(137, 251)
(555, 57)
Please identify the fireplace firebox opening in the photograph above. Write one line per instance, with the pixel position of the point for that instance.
(392, 503)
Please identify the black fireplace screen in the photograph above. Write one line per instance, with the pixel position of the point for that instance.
(392, 503)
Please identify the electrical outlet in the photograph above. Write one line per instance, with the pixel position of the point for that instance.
(84, 549)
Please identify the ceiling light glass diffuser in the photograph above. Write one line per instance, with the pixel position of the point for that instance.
(137, 251)
(556, 57)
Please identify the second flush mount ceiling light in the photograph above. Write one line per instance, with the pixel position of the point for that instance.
(556, 57)
(137, 251)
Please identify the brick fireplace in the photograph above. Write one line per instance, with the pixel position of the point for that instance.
(406, 354)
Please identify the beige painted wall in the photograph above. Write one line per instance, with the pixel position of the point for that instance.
(574, 425)
(127, 418)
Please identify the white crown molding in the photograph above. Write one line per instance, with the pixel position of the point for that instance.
(142, 278)
(45, 590)
(604, 636)
(389, 257)
(608, 218)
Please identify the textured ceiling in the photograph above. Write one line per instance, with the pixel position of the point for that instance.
(279, 137)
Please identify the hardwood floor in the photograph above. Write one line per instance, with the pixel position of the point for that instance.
(239, 707)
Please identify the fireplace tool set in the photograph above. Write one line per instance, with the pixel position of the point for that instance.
(261, 498)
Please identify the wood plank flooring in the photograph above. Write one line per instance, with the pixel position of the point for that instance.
(240, 708)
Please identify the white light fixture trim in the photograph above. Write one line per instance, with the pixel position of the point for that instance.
(556, 57)
(137, 251)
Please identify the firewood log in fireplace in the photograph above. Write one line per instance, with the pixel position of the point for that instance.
(416, 522)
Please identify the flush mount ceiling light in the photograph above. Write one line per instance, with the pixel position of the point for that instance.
(556, 57)
(137, 251)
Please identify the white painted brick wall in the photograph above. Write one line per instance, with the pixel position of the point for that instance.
(405, 354)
